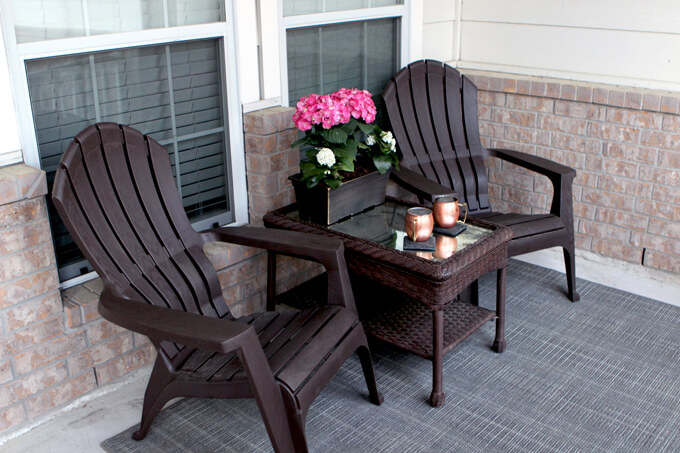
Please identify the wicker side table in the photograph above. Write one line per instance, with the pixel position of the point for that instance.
(413, 305)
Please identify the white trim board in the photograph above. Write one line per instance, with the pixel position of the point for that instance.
(633, 278)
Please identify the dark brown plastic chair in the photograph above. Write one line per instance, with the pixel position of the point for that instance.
(115, 192)
(433, 114)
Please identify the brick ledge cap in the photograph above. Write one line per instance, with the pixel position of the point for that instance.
(21, 182)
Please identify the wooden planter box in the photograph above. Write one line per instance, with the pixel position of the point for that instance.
(326, 206)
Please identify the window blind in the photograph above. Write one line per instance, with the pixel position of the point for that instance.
(360, 54)
(171, 92)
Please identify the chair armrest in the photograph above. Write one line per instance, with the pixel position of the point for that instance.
(538, 164)
(189, 329)
(321, 249)
(418, 184)
(560, 175)
(203, 332)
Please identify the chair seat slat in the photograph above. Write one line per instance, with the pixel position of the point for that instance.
(218, 365)
(274, 337)
(292, 345)
(528, 225)
(315, 352)
(267, 325)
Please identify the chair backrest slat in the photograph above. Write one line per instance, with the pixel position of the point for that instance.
(415, 157)
(129, 204)
(474, 141)
(115, 191)
(111, 208)
(433, 114)
(423, 119)
(138, 153)
(193, 246)
(436, 95)
(454, 107)
(111, 244)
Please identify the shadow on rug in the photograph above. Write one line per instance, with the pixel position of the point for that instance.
(598, 375)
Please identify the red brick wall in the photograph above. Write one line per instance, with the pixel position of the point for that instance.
(54, 346)
(624, 145)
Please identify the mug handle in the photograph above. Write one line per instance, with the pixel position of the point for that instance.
(415, 228)
(466, 210)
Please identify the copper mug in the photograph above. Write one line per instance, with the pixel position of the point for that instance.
(419, 224)
(447, 211)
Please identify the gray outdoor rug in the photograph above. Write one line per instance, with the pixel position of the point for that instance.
(599, 375)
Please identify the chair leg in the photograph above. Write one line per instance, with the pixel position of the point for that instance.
(367, 365)
(297, 430)
(570, 267)
(155, 397)
(268, 394)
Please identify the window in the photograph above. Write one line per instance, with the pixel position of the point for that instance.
(160, 67)
(333, 44)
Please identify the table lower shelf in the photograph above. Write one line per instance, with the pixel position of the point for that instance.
(408, 324)
(396, 319)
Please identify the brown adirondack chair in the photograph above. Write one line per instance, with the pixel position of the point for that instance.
(433, 114)
(115, 191)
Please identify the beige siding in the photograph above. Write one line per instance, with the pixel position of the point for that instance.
(439, 28)
(621, 42)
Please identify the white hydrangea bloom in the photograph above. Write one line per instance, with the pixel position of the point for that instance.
(325, 157)
(387, 137)
(370, 140)
(393, 147)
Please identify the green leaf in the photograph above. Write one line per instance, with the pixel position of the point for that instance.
(312, 182)
(311, 154)
(306, 166)
(351, 126)
(367, 128)
(300, 141)
(346, 164)
(382, 163)
(333, 183)
(335, 135)
(348, 150)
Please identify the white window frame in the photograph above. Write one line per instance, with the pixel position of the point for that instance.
(402, 12)
(18, 54)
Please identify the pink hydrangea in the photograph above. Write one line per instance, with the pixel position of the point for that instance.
(333, 109)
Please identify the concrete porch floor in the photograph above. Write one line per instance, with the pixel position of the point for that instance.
(81, 426)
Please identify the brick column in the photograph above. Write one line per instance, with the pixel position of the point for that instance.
(270, 160)
(30, 306)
